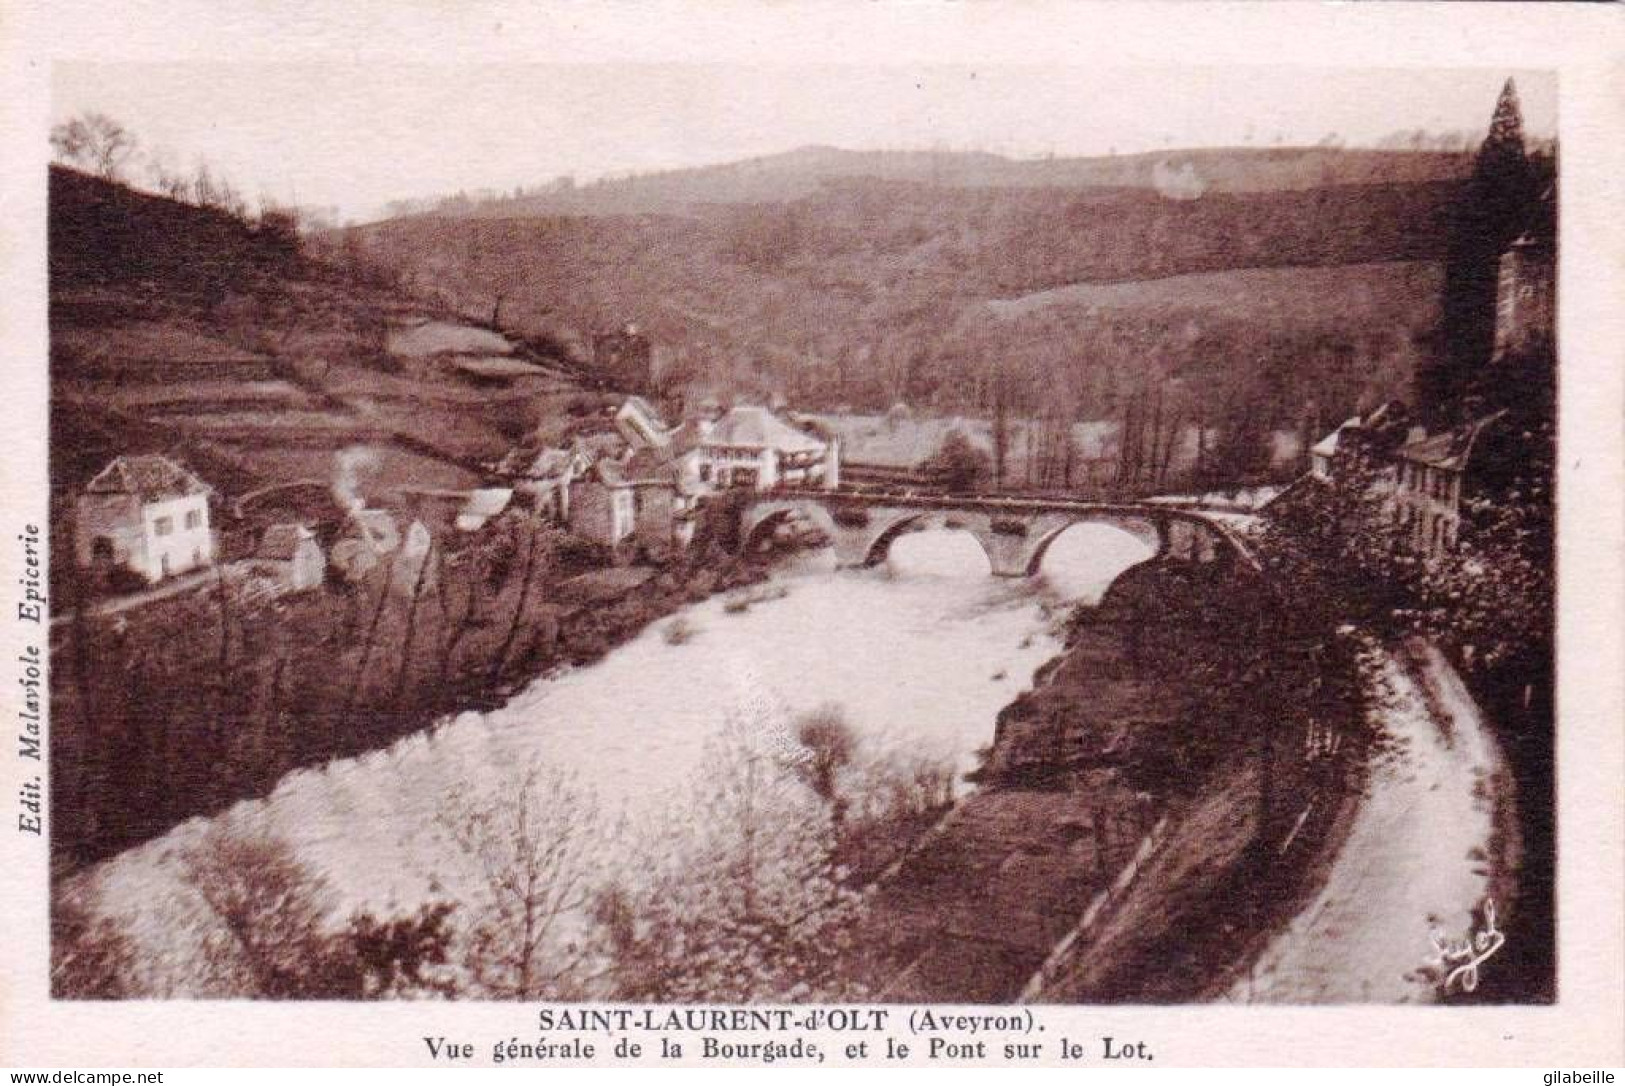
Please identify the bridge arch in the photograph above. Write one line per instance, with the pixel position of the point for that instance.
(1144, 529)
(1116, 544)
(1014, 533)
(877, 547)
(764, 519)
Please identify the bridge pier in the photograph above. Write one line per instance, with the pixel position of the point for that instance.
(1007, 551)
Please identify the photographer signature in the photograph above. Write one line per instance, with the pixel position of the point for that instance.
(1459, 959)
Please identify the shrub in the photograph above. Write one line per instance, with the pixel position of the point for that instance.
(959, 463)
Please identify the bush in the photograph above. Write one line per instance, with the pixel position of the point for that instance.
(959, 463)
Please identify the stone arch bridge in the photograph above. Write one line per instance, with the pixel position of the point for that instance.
(1014, 532)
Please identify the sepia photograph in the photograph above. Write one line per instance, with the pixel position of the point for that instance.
(798, 534)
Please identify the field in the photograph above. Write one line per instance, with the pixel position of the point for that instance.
(264, 373)
(904, 442)
(1315, 298)
(437, 337)
(390, 468)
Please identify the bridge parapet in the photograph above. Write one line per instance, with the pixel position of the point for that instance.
(1015, 533)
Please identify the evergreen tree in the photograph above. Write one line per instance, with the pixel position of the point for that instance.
(1493, 207)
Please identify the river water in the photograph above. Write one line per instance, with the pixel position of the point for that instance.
(920, 654)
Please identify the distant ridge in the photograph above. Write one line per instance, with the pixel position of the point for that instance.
(802, 171)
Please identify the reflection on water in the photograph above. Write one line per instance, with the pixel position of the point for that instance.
(921, 652)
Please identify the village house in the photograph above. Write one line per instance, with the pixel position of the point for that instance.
(646, 480)
(145, 513)
(1425, 478)
(752, 446)
(369, 537)
(641, 425)
(666, 496)
(290, 554)
(1377, 431)
(1323, 453)
(481, 506)
(546, 477)
(1430, 479)
(602, 505)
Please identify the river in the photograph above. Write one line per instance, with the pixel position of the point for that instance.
(920, 653)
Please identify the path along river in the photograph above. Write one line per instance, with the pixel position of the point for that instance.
(921, 653)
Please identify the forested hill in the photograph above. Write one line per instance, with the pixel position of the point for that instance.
(862, 291)
(102, 234)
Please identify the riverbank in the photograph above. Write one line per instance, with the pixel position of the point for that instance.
(1135, 824)
(918, 661)
(1113, 851)
(206, 699)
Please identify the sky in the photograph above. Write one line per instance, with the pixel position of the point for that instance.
(356, 137)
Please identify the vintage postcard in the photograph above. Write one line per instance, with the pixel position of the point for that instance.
(912, 535)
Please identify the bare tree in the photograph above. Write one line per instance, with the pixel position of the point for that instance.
(744, 901)
(828, 744)
(96, 142)
(166, 175)
(535, 846)
(212, 191)
(90, 956)
(274, 940)
(540, 544)
(270, 939)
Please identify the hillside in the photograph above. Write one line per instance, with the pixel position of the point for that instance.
(864, 291)
(186, 331)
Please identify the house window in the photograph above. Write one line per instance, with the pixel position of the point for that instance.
(163, 525)
(194, 518)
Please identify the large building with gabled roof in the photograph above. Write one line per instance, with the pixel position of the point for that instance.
(146, 513)
(755, 447)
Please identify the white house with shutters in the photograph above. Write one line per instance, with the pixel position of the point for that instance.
(145, 513)
(755, 447)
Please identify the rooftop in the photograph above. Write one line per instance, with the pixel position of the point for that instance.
(1449, 450)
(281, 541)
(760, 428)
(151, 478)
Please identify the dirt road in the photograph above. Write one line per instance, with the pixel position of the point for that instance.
(174, 586)
(1414, 859)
